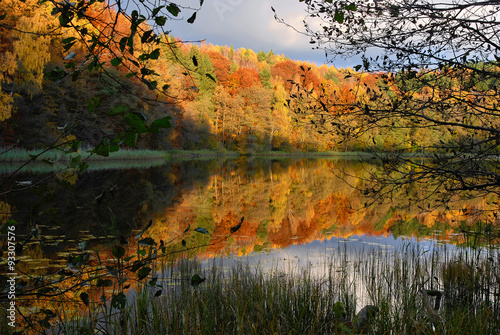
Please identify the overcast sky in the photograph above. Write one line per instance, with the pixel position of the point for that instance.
(251, 24)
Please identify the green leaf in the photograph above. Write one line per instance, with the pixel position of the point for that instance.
(68, 46)
(118, 251)
(161, 20)
(136, 122)
(84, 297)
(126, 259)
(68, 40)
(64, 19)
(394, 10)
(143, 272)
(75, 146)
(202, 231)
(156, 10)
(55, 74)
(130, 139)
(146, 36)
(136, 266)
(160, 124)
(150, 84)
(173, 9)
(141, 252)
(116, 61)
(339, 17)
(155, 54)
(211, 77)
(75, 161)
(118, 301)
(101, 150)
(351, 7)
(192, 18)
(196, 280)
(123, 43)
(83, 166)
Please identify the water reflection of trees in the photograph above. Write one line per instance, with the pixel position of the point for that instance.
(302, 201)
(282, 203)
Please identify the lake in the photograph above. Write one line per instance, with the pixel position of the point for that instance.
(282, 215)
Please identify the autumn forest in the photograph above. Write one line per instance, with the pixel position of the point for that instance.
(130, 156)
(217, 97)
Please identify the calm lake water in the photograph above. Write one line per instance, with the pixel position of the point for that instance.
(291, 212)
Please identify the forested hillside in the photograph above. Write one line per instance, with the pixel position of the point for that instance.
(219, 98)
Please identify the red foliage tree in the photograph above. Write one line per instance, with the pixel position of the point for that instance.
(222, 67)
(287, 71)
(243, 78)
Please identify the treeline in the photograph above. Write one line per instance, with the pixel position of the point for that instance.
(218, 98)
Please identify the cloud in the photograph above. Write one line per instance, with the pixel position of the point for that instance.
(251, 24)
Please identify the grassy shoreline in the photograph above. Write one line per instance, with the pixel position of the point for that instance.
(40, 161)
(21, 155)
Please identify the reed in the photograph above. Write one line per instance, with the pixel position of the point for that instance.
(413, 290)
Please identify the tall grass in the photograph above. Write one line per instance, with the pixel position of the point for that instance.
(21, 155)
(402, 286)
